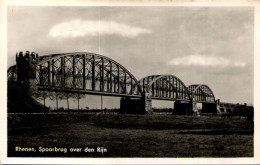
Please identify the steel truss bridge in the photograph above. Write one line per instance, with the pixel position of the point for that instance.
(90, 73)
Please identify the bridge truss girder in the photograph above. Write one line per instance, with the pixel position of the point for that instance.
(82, 72)
(164, 87)
(201, 93)
(86, 72)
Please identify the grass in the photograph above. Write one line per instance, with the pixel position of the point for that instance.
(139, 136)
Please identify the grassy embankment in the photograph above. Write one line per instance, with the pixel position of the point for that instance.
(133, 135)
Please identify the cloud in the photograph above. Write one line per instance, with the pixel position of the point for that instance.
(80, 28)
(202, 60)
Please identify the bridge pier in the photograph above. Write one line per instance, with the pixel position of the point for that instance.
(210, 107)
(130, 105)
(195, 109)
(190, 108)
(182, 108)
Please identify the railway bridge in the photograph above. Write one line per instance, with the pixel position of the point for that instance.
(90, 73)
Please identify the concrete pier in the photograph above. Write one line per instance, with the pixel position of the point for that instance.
(182, 108)
(135, 105)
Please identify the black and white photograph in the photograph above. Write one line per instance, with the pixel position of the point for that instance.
(130, 81)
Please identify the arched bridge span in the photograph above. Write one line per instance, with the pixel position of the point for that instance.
(167, 87)
(201, 93)
(80, 72)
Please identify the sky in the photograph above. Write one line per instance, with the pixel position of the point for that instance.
(199, 45)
